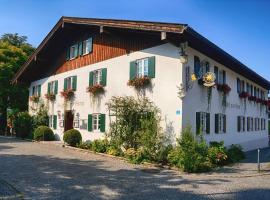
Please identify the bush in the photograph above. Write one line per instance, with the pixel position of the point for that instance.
(115, 151)
(135, 156)
(23, 124)
(41, 117)
(162, 154)
(43, 133)
(235, 153)
(72, 137)
(85, 145)
(100, 146)
(190, 154)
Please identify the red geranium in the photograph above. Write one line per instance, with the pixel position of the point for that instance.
(243, 95)
(225, 88)
(67, 94)
(95, 89)
(139, 82)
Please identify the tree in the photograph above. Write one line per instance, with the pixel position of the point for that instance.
(14, 51)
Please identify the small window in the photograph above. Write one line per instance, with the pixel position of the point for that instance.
(96, 122)
(241, 123)
(248, 124)
(251, 124)
(52, 87)
(220, 123)
(251, 90)
(87, 46)
(70, 83)
(142, 67)
(73, 51)
(97, 77)
(36, 90)
(202, 122)
(238, 85)
(242, 86)
(187, 77)
(216, 74)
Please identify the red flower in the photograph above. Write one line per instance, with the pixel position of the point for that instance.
(139, 82)
(50, 97)
(67, 94)
(244, 95)
(34, 98)
(225, 88)
(95, 89)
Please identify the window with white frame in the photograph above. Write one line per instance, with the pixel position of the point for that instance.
(203, 122)
(142, 67)
(251, 124)
(36, 90)
(220, 123)
(87, 46)
(73, 51)
(69, 83)
(97, 77)
(52, 87)
(96, 122)
(248, 123)
(241, 123)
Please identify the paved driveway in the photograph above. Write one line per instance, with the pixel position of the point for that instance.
(46, 171)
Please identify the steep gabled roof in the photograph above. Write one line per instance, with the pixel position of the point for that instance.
(176, 32)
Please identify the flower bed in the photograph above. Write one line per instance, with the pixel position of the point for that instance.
(50, 97)
(67, 94)
(96, 89)
(139, 82)
(225, 88)
(34, 98)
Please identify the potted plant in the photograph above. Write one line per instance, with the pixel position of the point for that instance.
(243, 95)
(50, 97)
(34, 98)
(67, 94)
(225, 88)
(139, 82)
(95, 89)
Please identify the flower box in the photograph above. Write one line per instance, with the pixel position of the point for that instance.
(243, 95)
(50, 97)
(225, 88)
(139, 82)
(96, 89)
(252, 98)
(67, 94)
(34, 98)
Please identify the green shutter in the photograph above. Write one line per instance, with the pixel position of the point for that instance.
(56, 87)
(48, 89)
(68, 53)
(244, 123)
(224, 77)
(224, 124)
(80, 48)
(90, 123)
(132, 70)
(54, 121)
(207, 123)
(91, 74)
(198, 123)
(74, 83)
(216, 123)
(104, 77)
(238, 123)
(102, 122)
(151, 67)
(39, 90)
(65, 84)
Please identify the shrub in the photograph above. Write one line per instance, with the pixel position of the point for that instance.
(115, 151)
(23, 124)
(162, 154)
(235, 153)
(100, 146)
(135, 156)
(72, 137)
(41, 118)
(43, 133)
(85, 145)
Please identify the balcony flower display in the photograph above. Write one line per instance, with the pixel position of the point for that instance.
(139, 82)
(34, 98)
(252, 98)
(225, 88)
(243, 95)
(50, 97)
(67, 94)
(96, 89)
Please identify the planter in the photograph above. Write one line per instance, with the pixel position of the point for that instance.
(139, 82)
(252, 98)
(243, 95)
(50, 97)
(34, 98)
(67, 94)
(225, 88)
(95, 89)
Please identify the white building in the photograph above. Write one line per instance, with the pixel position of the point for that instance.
(81, 52)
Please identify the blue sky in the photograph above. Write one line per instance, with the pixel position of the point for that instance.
(242, 28)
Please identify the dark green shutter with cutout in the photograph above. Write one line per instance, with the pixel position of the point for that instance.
(48, 89)
(224, 124)
(104, 77)
(65, 84)
(132, 70)
(238, 123)
(207, 123)
(224, 77)
(68, 54)
(216, 123)
(238, 85)
(198, 123)
(152, 67)
(80, 48)
(91, 74)
(54, 121)
(74, 83)
(56, 87)
(102, 122)
(244, 124)
(39, 90)
(90, 122)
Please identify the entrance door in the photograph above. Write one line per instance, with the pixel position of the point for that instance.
(68, 120)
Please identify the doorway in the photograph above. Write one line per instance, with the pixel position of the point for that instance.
(68, 120)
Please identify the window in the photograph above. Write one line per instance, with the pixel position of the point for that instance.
(243, 86)
(248, 88)
(53, 87)
(220, 123)
(248, 124)
(98, 77)
(87, 46)
(238, 85)
(216, 74)
(187, 77)
(142, 67)
(70, 83)
(251, 124)
(197, 66)
(36, 90)
(97, 74)
(202, 122)
(259, 124)
(256, 124)
(241, 123)
(251, 90)
(73, 52)
(53, 121)
(96, 122)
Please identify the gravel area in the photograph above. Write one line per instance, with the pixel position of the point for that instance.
(48, 171)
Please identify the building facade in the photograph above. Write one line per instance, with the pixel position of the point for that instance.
(80, 56)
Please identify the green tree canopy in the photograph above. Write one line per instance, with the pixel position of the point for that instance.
(14, 51)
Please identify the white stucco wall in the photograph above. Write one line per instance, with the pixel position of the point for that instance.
(175, 112)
